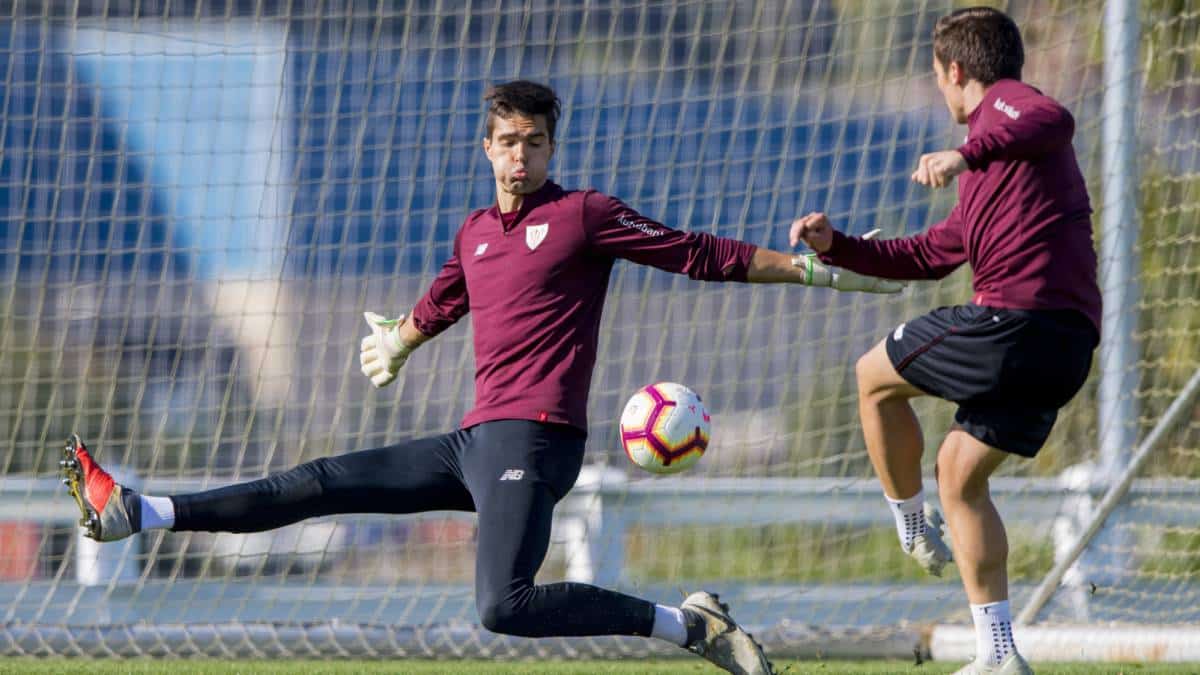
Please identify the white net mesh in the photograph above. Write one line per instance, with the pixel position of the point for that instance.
(199, 199)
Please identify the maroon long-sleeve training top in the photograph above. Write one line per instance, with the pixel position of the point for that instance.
(1023, 219)
(534, 283)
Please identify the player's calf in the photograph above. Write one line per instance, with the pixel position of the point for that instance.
(714, 635)
(109, 510)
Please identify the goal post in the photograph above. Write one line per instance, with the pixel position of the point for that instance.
(199, 199)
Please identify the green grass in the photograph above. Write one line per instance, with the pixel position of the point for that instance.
(630, 667)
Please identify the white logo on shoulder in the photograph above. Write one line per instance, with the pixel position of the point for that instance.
(512, 474)
(1007, 109)
(536, 234)
(898, 334)
(481, 248)
(644, 228)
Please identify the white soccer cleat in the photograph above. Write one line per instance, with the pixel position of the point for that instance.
(725, 644)
(1013, 665)
(101, 500)
(930, 549)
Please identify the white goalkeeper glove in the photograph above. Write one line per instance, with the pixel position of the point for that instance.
(817, 274)
(383, 353)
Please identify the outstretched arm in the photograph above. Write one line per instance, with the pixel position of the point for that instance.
(767, 267)
(932, 254)
(617, 230)
(614, 229)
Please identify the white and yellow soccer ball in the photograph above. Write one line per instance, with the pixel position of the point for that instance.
(665, 428)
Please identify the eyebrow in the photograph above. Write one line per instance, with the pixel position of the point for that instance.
(513, 134)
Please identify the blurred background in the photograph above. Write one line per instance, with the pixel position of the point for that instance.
(198, 199)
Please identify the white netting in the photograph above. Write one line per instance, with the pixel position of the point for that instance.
(198, 200)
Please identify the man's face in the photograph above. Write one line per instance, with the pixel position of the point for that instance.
(519, 149)
(949, 82)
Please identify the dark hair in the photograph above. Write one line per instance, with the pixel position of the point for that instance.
(522, 97)
(984, 41)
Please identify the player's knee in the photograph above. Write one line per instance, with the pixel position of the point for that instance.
(863, 372)
(493, 616)
(501, 616)
(957, 486)
(870, 375)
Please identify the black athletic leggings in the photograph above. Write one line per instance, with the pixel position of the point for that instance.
(510, 472)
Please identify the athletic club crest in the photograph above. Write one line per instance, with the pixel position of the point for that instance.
(536, 234)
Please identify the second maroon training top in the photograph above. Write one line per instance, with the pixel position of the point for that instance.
(1023, 219)
(536, 286)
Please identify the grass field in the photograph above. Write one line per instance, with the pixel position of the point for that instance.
(631, 667)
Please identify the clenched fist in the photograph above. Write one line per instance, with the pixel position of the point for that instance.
(937, 169)
(814, 230)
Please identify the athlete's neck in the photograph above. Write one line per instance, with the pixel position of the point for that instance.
(973, 93)
(508, 202)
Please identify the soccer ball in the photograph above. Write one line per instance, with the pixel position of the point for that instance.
(665, 428)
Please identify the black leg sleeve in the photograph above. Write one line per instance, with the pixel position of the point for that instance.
(411, 477)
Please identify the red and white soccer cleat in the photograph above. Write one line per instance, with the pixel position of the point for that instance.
(100, 498)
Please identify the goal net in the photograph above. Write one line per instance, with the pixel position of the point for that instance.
(199, 199)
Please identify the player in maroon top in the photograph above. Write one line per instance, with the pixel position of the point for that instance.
(1019, 351)
(532, 270)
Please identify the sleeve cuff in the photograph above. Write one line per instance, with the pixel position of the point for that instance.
(835, 249)
(424, 327)
(970, 153)
(743, 272)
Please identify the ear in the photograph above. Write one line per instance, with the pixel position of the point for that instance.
(487, 147)
(954, 73)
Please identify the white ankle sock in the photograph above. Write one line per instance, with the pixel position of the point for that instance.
(910, 517)
(993, 632)
(669, 625)
(157, 512)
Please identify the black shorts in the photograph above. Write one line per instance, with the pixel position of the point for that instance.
(1008, 370)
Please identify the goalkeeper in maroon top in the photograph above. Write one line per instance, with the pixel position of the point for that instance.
(1023, 346)
(532, 270)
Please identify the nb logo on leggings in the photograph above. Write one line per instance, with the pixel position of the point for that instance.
(512, 474)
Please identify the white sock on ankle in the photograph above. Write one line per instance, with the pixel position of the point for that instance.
(993, 632)
(669, 625)
(157, 512)
(910, 517)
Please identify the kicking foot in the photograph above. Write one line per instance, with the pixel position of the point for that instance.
(930, 549)
(109, 509)
(1013, 665)
(713, 634)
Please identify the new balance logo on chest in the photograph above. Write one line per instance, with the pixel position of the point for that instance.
(480, 249)
(512, 474)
